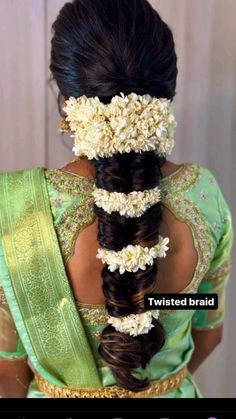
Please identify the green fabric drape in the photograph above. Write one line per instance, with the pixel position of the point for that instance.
(36, 285)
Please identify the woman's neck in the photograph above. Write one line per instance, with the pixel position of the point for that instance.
(85, 168)
(169, 167)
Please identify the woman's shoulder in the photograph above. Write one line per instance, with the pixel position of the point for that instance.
(81, 167)
(184, 177)
(210, 198)
(194, 174)
(196, 189)
(209, 184)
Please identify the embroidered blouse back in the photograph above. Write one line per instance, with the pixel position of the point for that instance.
(198, 221)
(178, 272)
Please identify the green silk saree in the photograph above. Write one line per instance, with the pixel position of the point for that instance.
(41, 213)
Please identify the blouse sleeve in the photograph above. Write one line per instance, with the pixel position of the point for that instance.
(218, 274)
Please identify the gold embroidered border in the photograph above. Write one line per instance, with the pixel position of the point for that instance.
(69, 182)
(156, 388)
(183, 179)
(201, 236)
(93, 315)
(77, 226)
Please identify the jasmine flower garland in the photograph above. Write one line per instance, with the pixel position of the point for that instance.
(129, 123)
(134, 324)
(133, 257)
(130, 205)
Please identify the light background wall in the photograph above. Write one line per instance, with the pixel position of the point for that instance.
(204, 33)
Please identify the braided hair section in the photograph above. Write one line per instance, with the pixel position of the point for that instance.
(124, 293)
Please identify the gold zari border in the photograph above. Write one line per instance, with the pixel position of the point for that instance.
(156, 388)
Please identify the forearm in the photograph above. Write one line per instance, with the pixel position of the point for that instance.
(11, 388)
(15, 377)
(205, 342)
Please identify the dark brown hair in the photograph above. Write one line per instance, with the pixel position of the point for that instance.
(101, 48)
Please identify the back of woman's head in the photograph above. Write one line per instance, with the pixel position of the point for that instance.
(101, 48)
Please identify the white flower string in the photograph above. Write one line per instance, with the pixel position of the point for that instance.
(133, 257)
(129, 123)
(134, 324)
(134, 204)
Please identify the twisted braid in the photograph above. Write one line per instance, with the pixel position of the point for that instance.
(124, 294)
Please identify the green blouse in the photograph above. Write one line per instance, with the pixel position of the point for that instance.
(194, 196)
